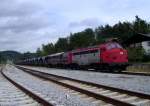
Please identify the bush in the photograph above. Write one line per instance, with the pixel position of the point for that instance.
(136, 54)
(146, 58)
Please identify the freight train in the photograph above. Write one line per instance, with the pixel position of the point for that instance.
(110, 56)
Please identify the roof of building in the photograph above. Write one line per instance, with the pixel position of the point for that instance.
(136, 38)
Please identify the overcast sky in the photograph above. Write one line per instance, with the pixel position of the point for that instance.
(27, 24)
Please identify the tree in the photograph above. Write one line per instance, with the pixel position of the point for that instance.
(141, 26)
(2, 59)
(39, 52)
(62, 45)
(136, 54)
(48, 49)
(82, 39)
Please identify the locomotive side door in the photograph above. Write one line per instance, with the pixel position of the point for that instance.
(93, 56)
(84, 58)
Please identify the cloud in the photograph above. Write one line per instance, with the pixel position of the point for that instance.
(90, 22)
(18, 24)
(9, 8)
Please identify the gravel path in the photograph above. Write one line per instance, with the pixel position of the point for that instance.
(129, 82)
(51, 91)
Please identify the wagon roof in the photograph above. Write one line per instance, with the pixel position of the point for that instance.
(86, 49)
(56, 54)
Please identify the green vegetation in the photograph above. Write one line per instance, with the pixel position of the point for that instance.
(9, 55)
(90, 37)
(13, 56)
(136, 54)
(2, 60)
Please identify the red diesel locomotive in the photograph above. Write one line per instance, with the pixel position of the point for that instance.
(107, 56)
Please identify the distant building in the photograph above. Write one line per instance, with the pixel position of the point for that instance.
(146, 46)
(135, 45)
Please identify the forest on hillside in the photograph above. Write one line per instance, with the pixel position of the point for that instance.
(14, 56)
(90, 37)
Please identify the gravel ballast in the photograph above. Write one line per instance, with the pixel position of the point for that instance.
(123, 81)
(51, 91)
(10, 95)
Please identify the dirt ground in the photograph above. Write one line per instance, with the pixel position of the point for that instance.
(139, 68)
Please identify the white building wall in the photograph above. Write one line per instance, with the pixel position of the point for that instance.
(146, 46)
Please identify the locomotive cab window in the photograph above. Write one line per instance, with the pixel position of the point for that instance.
(113, 45)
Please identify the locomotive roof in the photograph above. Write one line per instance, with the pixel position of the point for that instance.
(92, 47)
(86, 48)
(56, 54)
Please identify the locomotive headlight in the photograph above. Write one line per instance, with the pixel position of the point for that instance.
(121, 53)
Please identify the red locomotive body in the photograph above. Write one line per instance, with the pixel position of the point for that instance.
(109, 55)
(113, 53)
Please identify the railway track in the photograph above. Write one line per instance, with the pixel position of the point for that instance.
(14, 94)
(123, 72)
(135, 73)
(107, 71)
(95, 92)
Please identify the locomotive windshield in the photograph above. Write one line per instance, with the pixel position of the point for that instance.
(113, 45)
